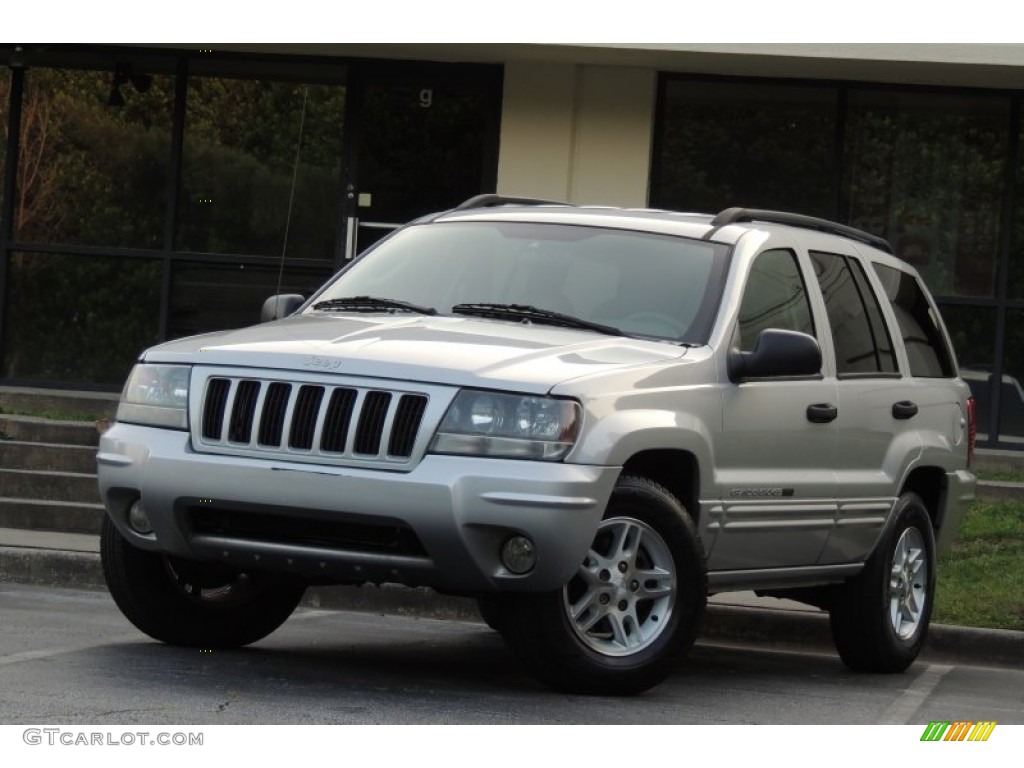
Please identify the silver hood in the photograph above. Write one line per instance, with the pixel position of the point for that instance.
(444, 350)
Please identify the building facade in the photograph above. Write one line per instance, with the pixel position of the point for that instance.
(154, 192)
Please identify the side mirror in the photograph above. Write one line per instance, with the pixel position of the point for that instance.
(777, 353)
(281, 305)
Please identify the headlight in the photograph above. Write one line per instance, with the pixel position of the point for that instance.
(156, 395)
(483, 423)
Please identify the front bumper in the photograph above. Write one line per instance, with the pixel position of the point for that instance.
(453, 513)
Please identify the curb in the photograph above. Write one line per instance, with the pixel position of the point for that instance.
(767, 627)
(997, 490)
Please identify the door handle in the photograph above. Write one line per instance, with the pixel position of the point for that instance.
(904, 410)
(822, 413)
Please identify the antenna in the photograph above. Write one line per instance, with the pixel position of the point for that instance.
(291, 193)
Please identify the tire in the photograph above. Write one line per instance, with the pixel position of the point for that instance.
(182, 602)
(880, 618)
(632, 610)
(494, 611)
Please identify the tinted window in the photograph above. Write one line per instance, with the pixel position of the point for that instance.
(721, 144)
(95, 157)
(919, 324)
(253, 151)
(926, 171)
(775, 297)
(78, 318)
(859, 334)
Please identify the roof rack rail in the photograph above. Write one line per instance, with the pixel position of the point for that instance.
(491, 201)
(734, 215)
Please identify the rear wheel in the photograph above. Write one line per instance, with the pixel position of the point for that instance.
(880, 618)
(633, 608)
(183, 602)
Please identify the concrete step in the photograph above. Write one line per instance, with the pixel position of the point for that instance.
(37, 430)
(76, 487)
(987, 459)
(56, 403)
(56, 516)
(995, 490)
(47, 457)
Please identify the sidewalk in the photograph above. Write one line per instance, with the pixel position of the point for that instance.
(72, 560)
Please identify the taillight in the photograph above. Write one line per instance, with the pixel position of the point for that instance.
(972, 431)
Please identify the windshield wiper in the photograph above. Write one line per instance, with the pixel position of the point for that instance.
(372, 304)
(527, 313)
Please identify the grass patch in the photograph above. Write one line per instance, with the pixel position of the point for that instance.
(981, 577)
(1000, 477)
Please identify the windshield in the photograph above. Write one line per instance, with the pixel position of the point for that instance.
(639, 283)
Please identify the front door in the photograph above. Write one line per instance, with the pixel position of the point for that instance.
(425, 138)
(778, 444)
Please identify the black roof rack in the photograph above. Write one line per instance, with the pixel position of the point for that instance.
(491, 201)
(734, 215)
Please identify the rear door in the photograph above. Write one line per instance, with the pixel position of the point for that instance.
(876, 418)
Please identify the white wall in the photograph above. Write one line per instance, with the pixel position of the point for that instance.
(577, 133)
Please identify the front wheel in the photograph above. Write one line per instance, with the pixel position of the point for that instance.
(183, 602)
(632, 609)
(880, 618)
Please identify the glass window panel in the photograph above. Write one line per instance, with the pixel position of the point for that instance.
(1011, 405)
(422, 150)
(95, 157)
(1016, 271)
(239, 161)
(973, 332)
(215, 297)
(5, 98)
(859, 336)
(926, 171)
(746, 144)
(78, 318)
(918, 323)
(774, 297)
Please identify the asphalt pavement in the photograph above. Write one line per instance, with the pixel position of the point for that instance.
(72, 560)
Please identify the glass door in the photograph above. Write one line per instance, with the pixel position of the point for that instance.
(425, 139)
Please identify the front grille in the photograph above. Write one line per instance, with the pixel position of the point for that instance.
(328, 421)
(389, 537)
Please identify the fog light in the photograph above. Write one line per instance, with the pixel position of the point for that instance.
(518, 554)
(138, 519)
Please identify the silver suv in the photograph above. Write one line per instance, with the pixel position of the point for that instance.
(587, 418)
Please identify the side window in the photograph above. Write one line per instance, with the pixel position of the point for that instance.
(775, 297)
(861, 339)
(919, 324)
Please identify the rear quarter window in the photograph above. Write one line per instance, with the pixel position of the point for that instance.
(919, 324)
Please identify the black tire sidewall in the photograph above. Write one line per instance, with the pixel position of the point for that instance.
(143, 588)
(540, 629)
(860, 618)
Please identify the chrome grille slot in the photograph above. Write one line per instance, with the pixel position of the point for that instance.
(213, 409)
(339, 414)
(242, 412)
(406, 424)
(272, 418)
(304, 417)
(371, 423)
(323, 422)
